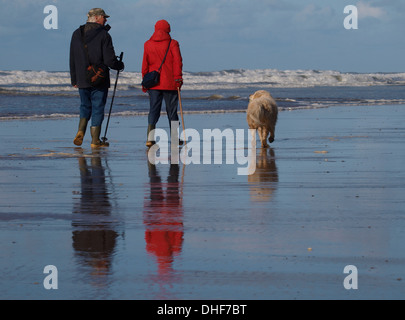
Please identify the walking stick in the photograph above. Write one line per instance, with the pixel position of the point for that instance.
(112, 101)
(181, 114)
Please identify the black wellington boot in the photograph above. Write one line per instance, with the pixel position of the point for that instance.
(151, 142)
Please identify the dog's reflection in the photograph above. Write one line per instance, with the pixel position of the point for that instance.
(94, 235)
(263, 182)
(163, 219)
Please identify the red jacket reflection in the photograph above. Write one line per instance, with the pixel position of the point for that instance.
(163, 218)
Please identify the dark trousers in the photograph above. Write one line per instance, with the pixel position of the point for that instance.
(156, 98)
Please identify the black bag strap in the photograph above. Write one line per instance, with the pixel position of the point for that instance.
(85, 45)
(167, 51)
(107, 27)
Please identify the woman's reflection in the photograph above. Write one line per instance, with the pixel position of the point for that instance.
(94, 235)
(163, 218)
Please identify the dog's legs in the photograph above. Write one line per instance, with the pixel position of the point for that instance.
(260, 132)
(265, 133)
(253, 132)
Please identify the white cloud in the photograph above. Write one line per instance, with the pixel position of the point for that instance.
(366, 10)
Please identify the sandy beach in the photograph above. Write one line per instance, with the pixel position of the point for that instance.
(328, 194)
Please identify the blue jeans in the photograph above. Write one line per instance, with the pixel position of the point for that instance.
(156, 98)
(92, 105)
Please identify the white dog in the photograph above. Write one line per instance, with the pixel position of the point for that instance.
(262, 113)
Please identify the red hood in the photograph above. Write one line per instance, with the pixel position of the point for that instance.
(162, 30)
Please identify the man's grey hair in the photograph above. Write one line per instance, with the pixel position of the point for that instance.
(91, 18)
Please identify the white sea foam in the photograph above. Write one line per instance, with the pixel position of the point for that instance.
(205, 92)
(44, 81)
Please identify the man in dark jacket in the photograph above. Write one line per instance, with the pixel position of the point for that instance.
(100, 51)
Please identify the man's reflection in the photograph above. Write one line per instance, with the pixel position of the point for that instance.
(263, 182)
(94, 237)
(163, 218)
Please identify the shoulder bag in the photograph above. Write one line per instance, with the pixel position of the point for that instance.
(151, 79)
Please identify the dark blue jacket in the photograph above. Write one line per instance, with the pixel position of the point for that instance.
(100, 48)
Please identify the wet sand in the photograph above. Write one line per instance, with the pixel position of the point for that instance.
(329, 193)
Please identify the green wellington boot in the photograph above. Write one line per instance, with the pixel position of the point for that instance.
(150, 143)
(96, 142)
(78, 140)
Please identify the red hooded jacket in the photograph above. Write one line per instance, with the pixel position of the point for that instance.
(154, 52)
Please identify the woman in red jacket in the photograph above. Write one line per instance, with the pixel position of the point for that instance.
(170, 76)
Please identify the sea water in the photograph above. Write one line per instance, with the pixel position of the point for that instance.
(42, 94)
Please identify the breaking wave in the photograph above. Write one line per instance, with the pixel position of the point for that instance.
(43, 95)
(47, 82)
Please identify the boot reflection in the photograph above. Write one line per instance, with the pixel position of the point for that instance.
(94, 235)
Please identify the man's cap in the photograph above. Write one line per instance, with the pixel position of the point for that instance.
(97, 12)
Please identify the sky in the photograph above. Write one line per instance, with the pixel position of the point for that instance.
(216, 35)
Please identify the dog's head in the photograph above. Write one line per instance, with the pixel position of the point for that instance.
(259, 94)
